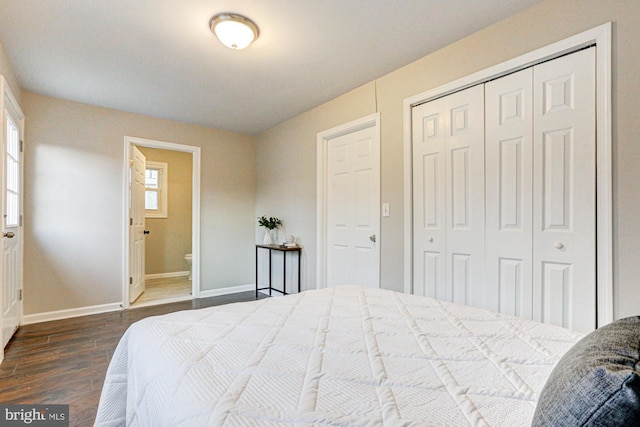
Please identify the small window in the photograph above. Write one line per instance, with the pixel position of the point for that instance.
(156, 191)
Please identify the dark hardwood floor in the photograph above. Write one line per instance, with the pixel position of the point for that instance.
(65, 361)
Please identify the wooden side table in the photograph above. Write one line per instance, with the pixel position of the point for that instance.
(284, 251)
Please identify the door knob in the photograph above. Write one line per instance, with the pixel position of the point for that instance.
(558, 245)
(372, 238)
(9, 235)
(146, 231)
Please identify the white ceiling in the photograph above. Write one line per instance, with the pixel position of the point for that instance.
(159, 58)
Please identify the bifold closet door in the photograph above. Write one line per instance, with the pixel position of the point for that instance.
(448, 197)
(540, 192)
(509, 193)
(564, 191)
(429, 228)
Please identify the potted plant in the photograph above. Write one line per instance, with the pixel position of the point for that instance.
(270, 224)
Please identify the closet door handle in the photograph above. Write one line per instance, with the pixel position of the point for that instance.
(558, 245)
(9, 235)
(372, 238)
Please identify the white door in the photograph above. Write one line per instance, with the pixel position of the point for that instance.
(509, 193)
(137, 225)
(12, 136)
(448, 158)
(353, 208)
(465, 196)
(564, 191)
(540, 192)
(429, 216)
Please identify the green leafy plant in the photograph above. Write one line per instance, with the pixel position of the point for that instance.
(269, 223)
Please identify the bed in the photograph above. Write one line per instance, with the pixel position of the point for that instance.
(344, 356)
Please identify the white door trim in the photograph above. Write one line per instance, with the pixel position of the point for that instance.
(195, 229)
(9, 102)
(323, 138)
(599, 36)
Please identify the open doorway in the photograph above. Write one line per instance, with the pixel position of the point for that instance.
(162, 230)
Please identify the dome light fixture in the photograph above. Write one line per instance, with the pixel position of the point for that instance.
(233, 30)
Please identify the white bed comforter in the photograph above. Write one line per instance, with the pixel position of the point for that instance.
(345, 356)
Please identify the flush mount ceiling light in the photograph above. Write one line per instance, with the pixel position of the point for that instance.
(234, 31)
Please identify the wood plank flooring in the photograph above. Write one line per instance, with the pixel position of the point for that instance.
(65, 361)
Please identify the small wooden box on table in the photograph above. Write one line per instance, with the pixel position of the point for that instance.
(284, 251)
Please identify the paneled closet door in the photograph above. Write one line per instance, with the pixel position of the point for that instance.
(540, 189)
(564, 249)
(509, 193)
(539, 236)
(448, 157)
(465, 196)
(429, 227)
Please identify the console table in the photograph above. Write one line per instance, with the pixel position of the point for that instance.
(284, 251)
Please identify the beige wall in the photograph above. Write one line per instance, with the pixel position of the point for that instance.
(74, 167)
(74, 201)
(286, 169)
(6, 70)
(169, 238)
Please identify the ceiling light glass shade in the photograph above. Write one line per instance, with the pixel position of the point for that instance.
(234, 31)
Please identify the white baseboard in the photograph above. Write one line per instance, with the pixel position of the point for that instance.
(104, 308)
(72, 312)
(166, 275)
(226, 291)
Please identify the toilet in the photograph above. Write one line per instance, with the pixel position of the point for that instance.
(187, 258)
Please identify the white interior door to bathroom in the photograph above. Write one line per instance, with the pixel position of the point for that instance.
(11, 263)
(353, 208)
(137, 225)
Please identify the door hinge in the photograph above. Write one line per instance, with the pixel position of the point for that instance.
(19, 294)
(130, 221)
(20, 220)
(21, 146)
(131, 280)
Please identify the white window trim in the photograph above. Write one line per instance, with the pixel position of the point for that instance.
(163, 190)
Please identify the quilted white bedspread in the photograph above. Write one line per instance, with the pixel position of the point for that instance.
(345, 356)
